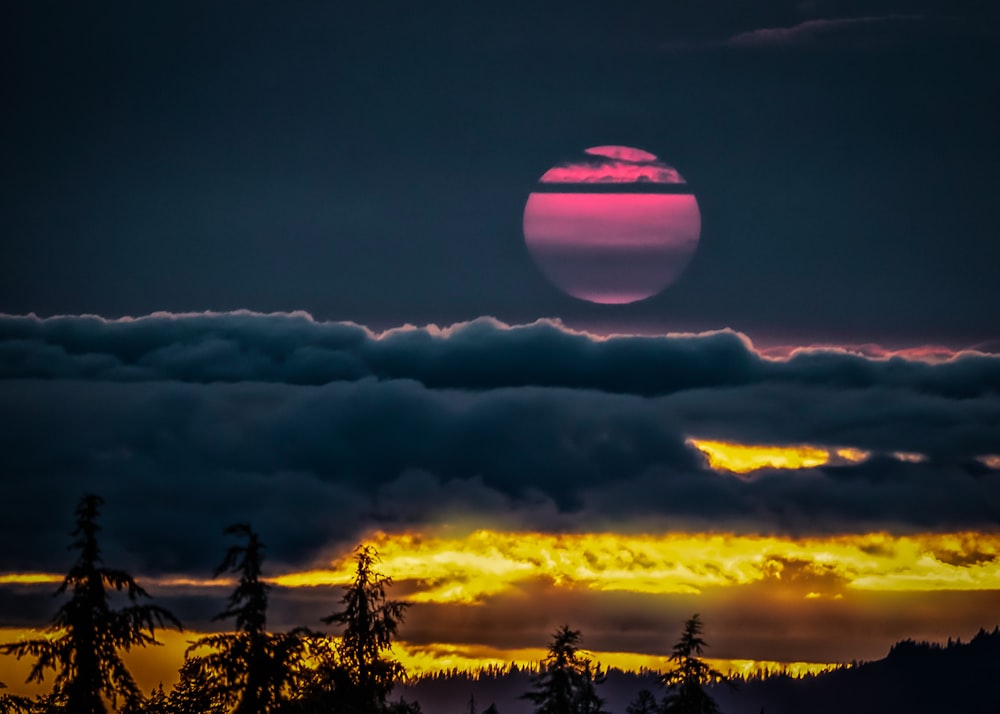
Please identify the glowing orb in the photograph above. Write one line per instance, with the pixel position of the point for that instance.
(614, 226)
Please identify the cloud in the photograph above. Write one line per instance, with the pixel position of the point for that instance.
(824, 31)
(317, 433)
(483, 354)
(876, 31)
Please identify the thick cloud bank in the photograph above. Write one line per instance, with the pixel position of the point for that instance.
(479, 355)
(315, 432)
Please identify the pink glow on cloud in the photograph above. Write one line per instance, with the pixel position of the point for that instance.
(919, 353)
(625, 153)
(613, 164)
(612, 248)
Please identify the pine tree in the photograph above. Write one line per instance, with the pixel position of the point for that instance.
(644, 703)
(251, 668)
(690, 675)
(155, 703)
(89, 633)
(566, 682)
(363, 674)
(195, 692)
(587, 701)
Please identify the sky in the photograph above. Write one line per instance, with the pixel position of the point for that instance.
(267, 264)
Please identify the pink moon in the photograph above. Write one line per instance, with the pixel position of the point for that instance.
(614, 226)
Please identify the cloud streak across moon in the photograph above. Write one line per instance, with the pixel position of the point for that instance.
(613, 164)
(611, 248)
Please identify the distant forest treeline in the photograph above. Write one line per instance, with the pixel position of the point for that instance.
(250, 670)
(915, 678)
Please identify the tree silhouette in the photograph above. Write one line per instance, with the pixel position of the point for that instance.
(194, 693)
(686, 681)
(156, 703)
(251, 668)
(13, 704)
(89, 632)
(360, 673)
(587, 701)
(644, 703)
(566, 682)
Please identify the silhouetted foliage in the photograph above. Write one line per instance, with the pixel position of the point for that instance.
(357, 674)
(644, 703)
(90, 633)
(687, 680)
(195, 692)
(587, 701)
(13, 704)
(250, 668)
(402, 707)
(155, 703)
(566, 682)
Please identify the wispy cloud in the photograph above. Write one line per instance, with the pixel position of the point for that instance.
(845, 33)
(821, 31)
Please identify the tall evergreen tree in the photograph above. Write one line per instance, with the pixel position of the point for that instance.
(364, 672)
(566, 682)
(687, 680)
(89, 634)
(251, 669)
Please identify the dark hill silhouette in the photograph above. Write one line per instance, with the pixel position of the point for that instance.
(914, 678)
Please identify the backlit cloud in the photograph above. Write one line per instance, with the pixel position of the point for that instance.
(320, 432)
(613, 164)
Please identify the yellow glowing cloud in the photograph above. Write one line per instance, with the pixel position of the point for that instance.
(470, 568)
(29, 578)
(744, 458)
(851, 455)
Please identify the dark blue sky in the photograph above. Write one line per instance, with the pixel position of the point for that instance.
(371, 163)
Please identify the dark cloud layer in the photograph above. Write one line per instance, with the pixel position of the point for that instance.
(479, 355)
(316, 432)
